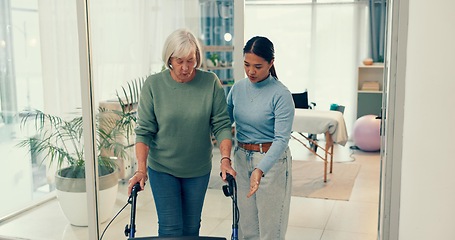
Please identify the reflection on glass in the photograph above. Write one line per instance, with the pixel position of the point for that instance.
(126, 46)
(42, 68)
(23, 176)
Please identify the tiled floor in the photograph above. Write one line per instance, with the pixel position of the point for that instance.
(310, 218)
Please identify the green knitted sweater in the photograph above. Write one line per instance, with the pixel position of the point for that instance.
(176, 120)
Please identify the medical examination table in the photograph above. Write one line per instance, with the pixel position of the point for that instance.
(330, 123)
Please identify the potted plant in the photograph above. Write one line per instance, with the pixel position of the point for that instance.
(60, 142)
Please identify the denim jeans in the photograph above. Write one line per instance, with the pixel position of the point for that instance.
(265, 214)
(178, 203)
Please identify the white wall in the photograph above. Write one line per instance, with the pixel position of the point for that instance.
(319, 51)
(427, 207)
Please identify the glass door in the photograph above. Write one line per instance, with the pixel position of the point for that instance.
(71, 61)
(25, 178)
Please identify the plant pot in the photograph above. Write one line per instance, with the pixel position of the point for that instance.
(72, 197)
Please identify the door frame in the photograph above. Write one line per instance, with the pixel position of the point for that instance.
(393, 118)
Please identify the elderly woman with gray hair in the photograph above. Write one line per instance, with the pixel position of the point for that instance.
(179, 110)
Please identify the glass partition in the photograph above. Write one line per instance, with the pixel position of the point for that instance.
(48, 71)
(25, 179)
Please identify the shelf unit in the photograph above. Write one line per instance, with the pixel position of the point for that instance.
(223, 62)
(369, 89)
(218, 37)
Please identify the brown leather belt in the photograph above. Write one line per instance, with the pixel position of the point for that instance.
(259, 147)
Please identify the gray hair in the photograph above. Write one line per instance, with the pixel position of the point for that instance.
(181, 43)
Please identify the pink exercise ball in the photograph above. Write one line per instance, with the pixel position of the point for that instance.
(366, 133)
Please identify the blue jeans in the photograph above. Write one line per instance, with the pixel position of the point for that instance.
(265, 214)
(178, 203)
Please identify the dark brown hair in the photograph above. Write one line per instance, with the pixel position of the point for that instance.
(262, 47)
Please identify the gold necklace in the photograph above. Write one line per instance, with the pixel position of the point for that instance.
(250, 91)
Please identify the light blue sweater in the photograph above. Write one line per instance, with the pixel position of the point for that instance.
(262, 112)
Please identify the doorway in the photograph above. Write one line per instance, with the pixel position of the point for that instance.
(318, 61)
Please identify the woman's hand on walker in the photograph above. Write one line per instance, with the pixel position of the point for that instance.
(226, 167)
(138, 177)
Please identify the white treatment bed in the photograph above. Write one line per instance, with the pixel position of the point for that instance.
(329, 123)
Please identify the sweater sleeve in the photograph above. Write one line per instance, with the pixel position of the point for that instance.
(146, 123)
(284, 117)
(230, 105)
(221, 125)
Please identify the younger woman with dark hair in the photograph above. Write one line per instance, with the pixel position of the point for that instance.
(263, 111)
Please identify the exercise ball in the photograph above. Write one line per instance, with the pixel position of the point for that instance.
(366, 133)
